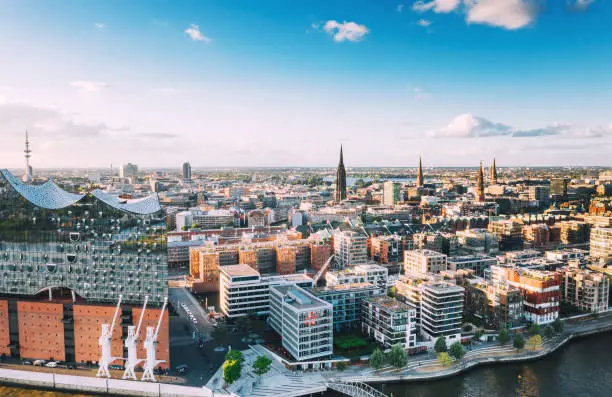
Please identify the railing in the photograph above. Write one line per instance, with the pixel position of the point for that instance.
(353, 389)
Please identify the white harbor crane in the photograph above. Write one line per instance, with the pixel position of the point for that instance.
(131, 345)
(105, 345)
(150, 344)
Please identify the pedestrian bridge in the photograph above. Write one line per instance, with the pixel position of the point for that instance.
(353, 389)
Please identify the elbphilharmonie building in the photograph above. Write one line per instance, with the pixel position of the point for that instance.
(65, 258)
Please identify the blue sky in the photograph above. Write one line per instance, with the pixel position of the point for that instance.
(269, 83)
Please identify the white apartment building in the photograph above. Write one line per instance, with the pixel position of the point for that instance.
(424, 262)
(243, 292)
(368, 273)
(304, 322)
(389, 321)
(350, 248)
(601, 244)
(441, 311)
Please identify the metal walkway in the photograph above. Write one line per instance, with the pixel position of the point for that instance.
(353, 389)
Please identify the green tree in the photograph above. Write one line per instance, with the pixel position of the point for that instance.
(440, 346)
(261, 366)
(377, 359)
(558, 325)
(341, 366)
(232, 370)
(398, 357)
(549, 331)
(392, 292)
(444, 359)
(457, 351)
(534, 342)
(534, 329)
(504, 336)
(234, 355)
(519, 342)
(478, 334)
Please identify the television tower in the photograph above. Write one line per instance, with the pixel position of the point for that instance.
(27, 178)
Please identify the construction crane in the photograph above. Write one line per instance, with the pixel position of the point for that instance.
(150, 344)
(322, 270)
(131, 345)
(105, 345)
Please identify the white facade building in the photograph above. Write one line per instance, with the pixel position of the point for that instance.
(441, 311)
(367, 273)
(304, 322)
(243, 292)
(350, 248)
(389, 322)
(424, 262)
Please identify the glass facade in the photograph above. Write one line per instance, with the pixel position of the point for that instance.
(97, 245)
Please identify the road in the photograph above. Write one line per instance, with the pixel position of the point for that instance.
(178, 295)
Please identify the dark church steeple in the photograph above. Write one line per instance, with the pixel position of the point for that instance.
(340, 193)
(419, 178)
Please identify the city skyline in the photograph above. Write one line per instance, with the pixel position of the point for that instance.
(454, 81)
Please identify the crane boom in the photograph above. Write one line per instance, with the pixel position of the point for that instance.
(318, 275)
(144, 307)
(161, 316)
(115, 316)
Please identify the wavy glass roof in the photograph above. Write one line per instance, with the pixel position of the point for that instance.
(142, 206)
(50, 196)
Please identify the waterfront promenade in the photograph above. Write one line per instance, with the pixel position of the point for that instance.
(297, 383)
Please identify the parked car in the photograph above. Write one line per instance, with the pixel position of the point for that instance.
(51, 364)
(39, 363)
(27, 363)
(71, 366)
(182, 369)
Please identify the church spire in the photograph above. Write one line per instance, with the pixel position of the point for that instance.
(419, 180)
(493, 176)
(480, 185)
(340, 193)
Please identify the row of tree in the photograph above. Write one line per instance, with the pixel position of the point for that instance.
(234, 360)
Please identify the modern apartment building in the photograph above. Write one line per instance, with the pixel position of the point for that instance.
(492, 305)
(389, 322)
(478, 263)
(350, 248)
(408, 290)
(244, 292)
(601, 244)
(424, 262)
(441, 311)
(346, 300)
(585, 289)
(540, 289)
(368, 273)
(304, 322)
(388, 249)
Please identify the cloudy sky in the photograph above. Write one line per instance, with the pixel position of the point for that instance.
(276, 82)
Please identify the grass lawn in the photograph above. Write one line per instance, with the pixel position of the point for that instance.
(352, 345)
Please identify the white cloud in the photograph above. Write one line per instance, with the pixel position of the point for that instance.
(441, 6)
(469, 126)
(580, 4)
(193, 31)
(424, 23)
(89, 86)
(350, 31)
(508, 14)
(400, 8)
(99, 25)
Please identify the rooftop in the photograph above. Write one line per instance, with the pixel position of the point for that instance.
(239, 271)
(343, 287)
(388, 303)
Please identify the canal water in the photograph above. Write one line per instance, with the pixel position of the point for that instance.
(581, 369)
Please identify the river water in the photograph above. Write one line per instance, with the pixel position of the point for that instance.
(581, 369)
